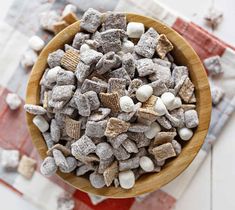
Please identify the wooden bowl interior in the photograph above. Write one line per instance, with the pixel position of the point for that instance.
(184, 55)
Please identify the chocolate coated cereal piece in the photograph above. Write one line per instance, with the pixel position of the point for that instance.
(130, 146)
(138, 128)
(178, 72)
(34, 109)
(147, 114)
(66, 152)
(120, 153)
(83, 146)
(79, 39)
(54, 58)
(178, 86)
(187, 90)
(55, 131)
(179, 114)
(96, 180)
(164, 137)
(85, 168)
(90, 56)
(116, 127)
(117, 85)
(164, 122)
(103, 164)
(164, 152)
(159, 87)
(72, 127)
(110, 100)
(26, 167)
(65, 77)
(82, 71)
(89, 85)
(128, 63)
(83, 105)
(99, 114)
(91, 20)
(114, 20)
(129, 164)
(163, 46)
(134, 85)
(96, 129)
(162, 62)
(110, 173)
(48, 166)
(174, 121)
(72, 164)
(60, 159)
(177, 147)
(62, 93)
(117, 141)
(93, 99)
(104, 151)
(48, 139)
(120, 73)
(145, 67)
(86, 159)
(128, 116)
(70, 60)
(191, 119)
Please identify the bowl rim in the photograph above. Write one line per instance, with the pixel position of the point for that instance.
(151, 182)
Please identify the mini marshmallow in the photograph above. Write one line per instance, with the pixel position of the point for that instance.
(10, 158)
(160, 107)
(69, 8)
(52, 74)
(153, 130)
(176, 104)
(127, 47)
(29, 58)
(135, 30)
(41, 123)
(144, 92)
(126, 179)
(168, 99)
(126, 104)
(185, 133)
(13, 101)
(146, 164)
(36, 43)
(84, 48)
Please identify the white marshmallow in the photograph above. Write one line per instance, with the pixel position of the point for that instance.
(84, 48)
(134, 29)
(128, 46)
(153, 130)
(29, 58)
(126, 179)
(177, 104)
(160, 107)
(48, 19)
(41, 123)
(13, 101)
(36, 43)
(52, 74)
(10, 158)
(185, 133)
(144, 92)
(146, 164)
(69, 8)
(168, 99)
(126, 104)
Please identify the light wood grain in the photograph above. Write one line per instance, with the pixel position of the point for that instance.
(184, 55)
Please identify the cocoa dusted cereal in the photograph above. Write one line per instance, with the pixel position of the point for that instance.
(112, 109)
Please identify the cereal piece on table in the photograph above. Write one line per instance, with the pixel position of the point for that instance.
(163, 46)
(111, 40)
(138, 128)
(117, 141)
(153, 130)
(121, 154)
(162, 62)
(62, 93)
(177, 147)
(191, 119)
(114, 20)
(41, 123)
(159, 87)
(96, 129)
(93, 99)
(59, 158)
(28, 59)
(128, 63)
(117, 85)
(126, 179)
(145, 67)
(116, 127)
(97, 180)
(84, 169)
(130, 146)
(83, 146)
(146, 164)
(59, 26)
(120, 73)
(217, 94)
(55, 131)
(65, 77)
(125, 116)
(70, 60)
(36, 43)
(70, 18)
(164, 152)
(147, 43)
(213, 18)
(129, 164)
(79, 39)
(27, 167)
(135, 29)
(147, 114)
(91, 20)
(134, 85)
(213, 65)
(34, 109)
(187, 90)
(178, 72)
(164, 122)
(110, 173)
(83, 105)
(48, 166)
(66, 152)
(110, 100)
(13, 101)
(144, 92)
(89, 85)
(55, 58)
(10, 158)
(47, 19)
(99, 114)
(90, 56)
(48, 139)
(164, 137)
(65, 201)
(72, 164)
(126, 104)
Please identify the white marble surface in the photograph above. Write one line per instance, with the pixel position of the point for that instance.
(213, 188)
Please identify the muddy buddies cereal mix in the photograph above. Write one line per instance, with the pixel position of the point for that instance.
(112, 110)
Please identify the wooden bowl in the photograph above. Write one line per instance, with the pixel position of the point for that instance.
(184, 55)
